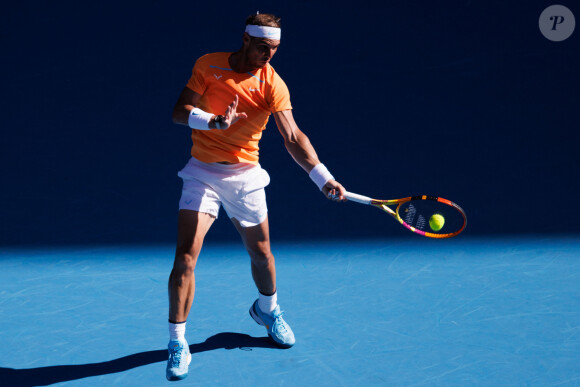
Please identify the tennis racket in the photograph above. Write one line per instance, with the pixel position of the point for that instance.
(417, 214)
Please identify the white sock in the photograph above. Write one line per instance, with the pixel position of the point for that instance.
(268, 303)
(177, 331)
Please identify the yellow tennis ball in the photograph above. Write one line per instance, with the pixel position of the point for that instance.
(436, 222)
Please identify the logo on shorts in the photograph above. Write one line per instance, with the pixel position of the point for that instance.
(557, 23)
(216, 76)
(188, 201)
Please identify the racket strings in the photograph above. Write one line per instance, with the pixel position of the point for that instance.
(419, 214)
(410, 214)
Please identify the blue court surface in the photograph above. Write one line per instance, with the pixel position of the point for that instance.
(411, 312)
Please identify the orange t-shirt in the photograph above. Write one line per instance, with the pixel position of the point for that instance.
(260, 93)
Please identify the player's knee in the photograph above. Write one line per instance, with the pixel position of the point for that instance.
(184, 264)
(261, 255)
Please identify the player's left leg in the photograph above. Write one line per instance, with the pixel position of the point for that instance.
(265, 310)
(257, 242)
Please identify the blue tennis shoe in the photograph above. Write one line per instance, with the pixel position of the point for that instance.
(278, 329)
(179, 359)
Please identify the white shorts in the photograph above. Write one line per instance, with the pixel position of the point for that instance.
(238, 187)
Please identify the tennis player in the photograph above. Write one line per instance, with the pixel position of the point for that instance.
(227, 103)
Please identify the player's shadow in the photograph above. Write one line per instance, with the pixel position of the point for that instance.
(44, 376)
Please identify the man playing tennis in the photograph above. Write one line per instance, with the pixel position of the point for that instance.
(227, 103)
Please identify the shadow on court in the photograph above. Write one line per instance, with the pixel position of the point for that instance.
(44, 376)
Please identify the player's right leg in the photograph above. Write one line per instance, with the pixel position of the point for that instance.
(192, 228)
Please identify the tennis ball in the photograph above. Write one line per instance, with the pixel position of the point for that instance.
(436, 222)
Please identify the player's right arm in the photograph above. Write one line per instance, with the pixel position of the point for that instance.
(189, 99)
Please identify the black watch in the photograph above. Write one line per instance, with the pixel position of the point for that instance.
(219, 120)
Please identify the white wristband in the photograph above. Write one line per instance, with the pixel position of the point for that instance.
(198, 119)
(320, 175)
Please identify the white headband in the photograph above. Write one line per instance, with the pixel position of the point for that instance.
(264, 32)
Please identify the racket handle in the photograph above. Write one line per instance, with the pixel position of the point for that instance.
(358, 198)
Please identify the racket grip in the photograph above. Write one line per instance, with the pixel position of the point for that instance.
(358, 198)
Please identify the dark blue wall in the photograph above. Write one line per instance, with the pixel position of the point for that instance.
(465, 100)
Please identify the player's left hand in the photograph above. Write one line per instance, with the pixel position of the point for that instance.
(334, 191)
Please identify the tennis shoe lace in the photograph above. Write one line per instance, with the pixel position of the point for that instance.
(175, 356)
(279, 322)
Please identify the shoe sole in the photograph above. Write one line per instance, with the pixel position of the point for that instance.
(259, 321)
(256, 318)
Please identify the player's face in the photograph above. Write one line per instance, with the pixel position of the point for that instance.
(259, 51)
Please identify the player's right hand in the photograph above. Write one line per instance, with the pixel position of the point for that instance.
(231, 115)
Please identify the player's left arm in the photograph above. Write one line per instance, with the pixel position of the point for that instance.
(302, 151)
